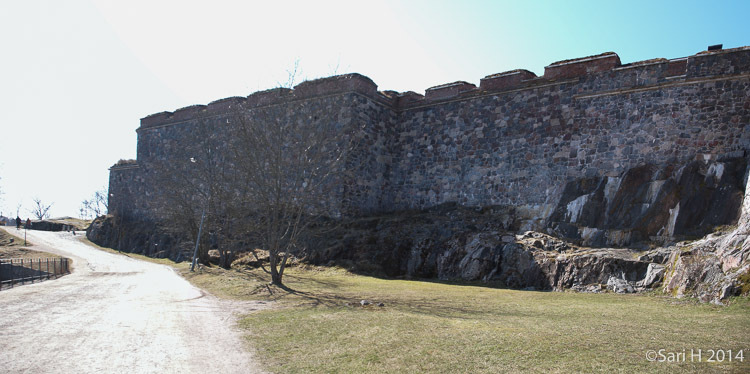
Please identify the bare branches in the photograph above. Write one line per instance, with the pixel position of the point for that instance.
(263, 175)
(96, 206)
(292, 169)
(40, 210)
(292, 75)
(201, 178)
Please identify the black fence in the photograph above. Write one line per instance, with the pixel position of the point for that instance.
(21, 270)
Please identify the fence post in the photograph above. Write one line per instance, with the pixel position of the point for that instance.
(47, 267)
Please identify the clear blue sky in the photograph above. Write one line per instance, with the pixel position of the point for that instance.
(76, 76)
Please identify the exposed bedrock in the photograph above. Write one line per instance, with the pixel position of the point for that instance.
(620, 234)
(455, 243)
(648, 208)
(715, 266)
(138, 237)
(651, 203)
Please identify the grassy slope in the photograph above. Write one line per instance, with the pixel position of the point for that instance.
(17, 249)
(433, 327)
(80, 224)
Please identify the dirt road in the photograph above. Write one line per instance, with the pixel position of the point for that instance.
(116, 314)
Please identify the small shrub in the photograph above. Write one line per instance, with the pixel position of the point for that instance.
(744, 281)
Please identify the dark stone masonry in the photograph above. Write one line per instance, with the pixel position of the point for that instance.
(595, 176)
(549, 146)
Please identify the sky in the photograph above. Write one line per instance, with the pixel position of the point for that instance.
(76, 76)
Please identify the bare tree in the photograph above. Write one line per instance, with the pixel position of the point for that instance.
(96, 206)
(292, 172)
(40, 210)
(101, 201)
(202, 185)
(262, 187)
(84, 209)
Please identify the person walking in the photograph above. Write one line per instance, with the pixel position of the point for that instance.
(18, 223)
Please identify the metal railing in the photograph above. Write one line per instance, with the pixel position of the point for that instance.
(21, 270)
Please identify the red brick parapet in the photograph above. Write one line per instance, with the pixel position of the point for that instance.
(309, 89)
(590, 69)
(582, 66)
(269, 97)
(188, 112)
(676, 67)
(448, 90)
(506, 80)
(336, 84)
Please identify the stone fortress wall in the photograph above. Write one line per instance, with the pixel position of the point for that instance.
(517, 139)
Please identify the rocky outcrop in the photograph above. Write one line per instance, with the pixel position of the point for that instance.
(647, 206)
(716, 266)
(457, 243)
(138, 237)
(584, 250)
(651, 203)
(59, 224)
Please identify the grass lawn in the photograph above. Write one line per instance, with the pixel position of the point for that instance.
(12, 246)
(437, 327)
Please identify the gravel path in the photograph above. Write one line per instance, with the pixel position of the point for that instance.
(116, 314)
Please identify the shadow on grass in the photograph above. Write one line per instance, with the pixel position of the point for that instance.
(402, 299)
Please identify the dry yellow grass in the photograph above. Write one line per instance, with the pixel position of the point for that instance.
(12, 246)
(432, 327)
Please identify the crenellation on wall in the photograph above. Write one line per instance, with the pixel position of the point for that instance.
(269, 97)
(582, 66)
(336, 84)
(587, 70)
(676, 67)
(155, 119)
(448, 90)
(720, 62)
(188, 112)
(516, 140)
(505, 81)
(637, 64)
(630, 76)
(225, 105)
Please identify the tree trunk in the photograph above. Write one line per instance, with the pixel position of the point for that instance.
(282, 266)
(223, 259)
(275, 275)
